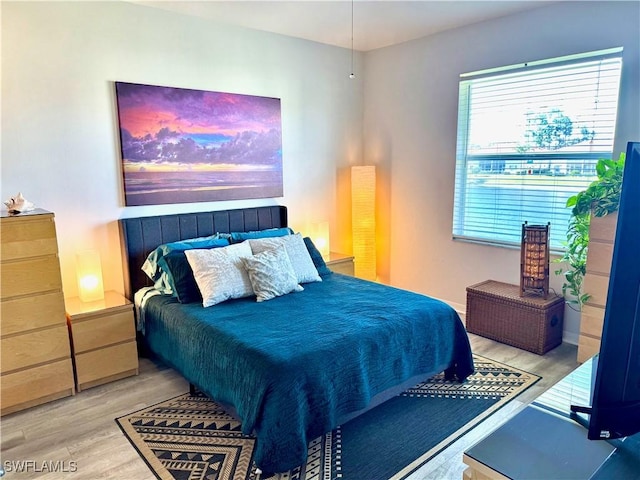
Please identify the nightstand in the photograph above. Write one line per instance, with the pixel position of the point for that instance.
(340, 263)
(103, 339)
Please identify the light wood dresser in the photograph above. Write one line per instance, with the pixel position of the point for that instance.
(36, 356)
(602, 232)
(340, 263)
(103, 339)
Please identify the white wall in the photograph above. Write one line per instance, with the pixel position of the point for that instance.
(59, 123)
(411, 95)
(59, 127)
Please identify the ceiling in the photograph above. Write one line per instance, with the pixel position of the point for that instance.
(376, 23)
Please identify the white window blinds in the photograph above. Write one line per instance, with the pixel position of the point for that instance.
(529, 137)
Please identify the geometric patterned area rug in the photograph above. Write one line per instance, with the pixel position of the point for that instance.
(191, 437)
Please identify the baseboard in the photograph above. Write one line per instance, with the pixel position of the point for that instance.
(460, 308)
(567, 336)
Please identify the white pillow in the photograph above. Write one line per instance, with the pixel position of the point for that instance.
(220, 274)
(298, 254)
(271, 274)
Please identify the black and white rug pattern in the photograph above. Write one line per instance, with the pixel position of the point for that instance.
(191, 437)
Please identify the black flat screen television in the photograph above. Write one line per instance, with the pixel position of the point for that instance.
(615, 397)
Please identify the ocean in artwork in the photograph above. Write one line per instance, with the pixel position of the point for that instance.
(152, 188)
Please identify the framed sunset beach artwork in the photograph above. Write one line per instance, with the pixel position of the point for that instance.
(181, 146)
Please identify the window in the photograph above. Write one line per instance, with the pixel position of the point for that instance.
(529, 137)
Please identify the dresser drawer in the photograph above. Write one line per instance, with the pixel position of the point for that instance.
(591, 321)
(37, 385)
(29, 236)
(599, 258)
(603, 229)
(340, 263)
(598, 287)
(32, 348)
(28, 313)
(34, 275)
(105, 363)
(587, 348)
(102, 331)
(345, 268)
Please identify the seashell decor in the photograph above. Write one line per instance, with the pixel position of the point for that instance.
(18, 204)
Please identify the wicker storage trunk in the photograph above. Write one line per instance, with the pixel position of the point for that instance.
(495, 310)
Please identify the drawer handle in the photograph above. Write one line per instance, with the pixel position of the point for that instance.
(554, 320)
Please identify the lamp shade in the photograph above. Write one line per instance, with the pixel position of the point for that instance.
(534, 260)
(89, 273)
(320, 237)
(363, 220)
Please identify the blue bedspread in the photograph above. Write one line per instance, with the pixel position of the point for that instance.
(293, 365)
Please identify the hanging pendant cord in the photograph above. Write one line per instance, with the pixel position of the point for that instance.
(352, 75)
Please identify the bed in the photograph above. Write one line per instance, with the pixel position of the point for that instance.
(296, 366)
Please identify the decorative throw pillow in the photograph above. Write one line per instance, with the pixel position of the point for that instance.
(237, 237)
(316, 257)
(152, 265)
(271, 274)
(220, 274)
(298, 254)
(180, 277)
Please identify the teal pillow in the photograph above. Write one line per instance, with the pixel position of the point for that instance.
(152, 266)
(316, 256)
(180, 276)
(237, 237)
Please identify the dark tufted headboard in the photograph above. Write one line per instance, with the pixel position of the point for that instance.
(139, 236)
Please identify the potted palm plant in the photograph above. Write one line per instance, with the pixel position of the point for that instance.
(599, 199)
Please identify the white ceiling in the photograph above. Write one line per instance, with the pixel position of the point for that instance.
(376, 23)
